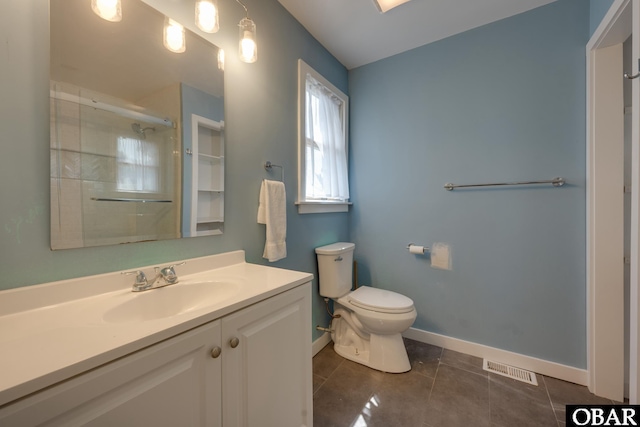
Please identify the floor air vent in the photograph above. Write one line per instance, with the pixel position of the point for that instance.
(510, 371)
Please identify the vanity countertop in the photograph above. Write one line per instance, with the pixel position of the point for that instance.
(51, 332)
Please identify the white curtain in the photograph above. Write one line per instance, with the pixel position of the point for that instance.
(326, 156)
(138, 166)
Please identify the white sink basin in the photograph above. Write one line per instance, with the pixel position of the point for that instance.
(170, 301)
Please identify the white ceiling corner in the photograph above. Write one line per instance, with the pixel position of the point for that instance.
(356, 33)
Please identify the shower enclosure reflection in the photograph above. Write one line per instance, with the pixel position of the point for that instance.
(122, 109)
(113, 180)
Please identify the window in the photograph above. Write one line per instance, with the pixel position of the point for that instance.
(138, 166)
(323, 172)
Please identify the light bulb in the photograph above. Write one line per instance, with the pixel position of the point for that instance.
(174, 38)
(110, 10)
(247, 49)
(207, 15)
(248, 45)
(221, 59)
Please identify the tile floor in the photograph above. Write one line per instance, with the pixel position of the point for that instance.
(443, 389)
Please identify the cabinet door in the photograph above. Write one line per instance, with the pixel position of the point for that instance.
(267, 376)
(173, 383)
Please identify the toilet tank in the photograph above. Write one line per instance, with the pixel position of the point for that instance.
(335, 266)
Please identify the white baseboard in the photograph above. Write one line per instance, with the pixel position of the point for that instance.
(320, 343)
(540, 366)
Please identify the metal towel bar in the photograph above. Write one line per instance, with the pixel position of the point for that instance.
(122, 199)
(556, 182)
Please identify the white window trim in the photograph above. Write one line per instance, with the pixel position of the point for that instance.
(322, 207)
(307, 206)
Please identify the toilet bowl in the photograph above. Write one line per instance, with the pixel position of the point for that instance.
(371, 320)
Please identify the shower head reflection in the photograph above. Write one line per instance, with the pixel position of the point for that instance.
(137, 128)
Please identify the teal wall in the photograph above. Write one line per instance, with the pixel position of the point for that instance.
(260, 123)
(597, 10)
(503, 102)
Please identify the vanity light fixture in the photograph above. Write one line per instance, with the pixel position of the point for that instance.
(174, 37)
(110, 10)
(248, 45)
(386, 5)
(207, 19)
(207, 15)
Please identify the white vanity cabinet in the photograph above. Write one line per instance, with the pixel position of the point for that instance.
(249, 368)
(173, 383)
(267, 377)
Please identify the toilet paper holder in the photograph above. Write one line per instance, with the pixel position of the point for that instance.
(417, 249)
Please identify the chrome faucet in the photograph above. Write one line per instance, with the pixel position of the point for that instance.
(141, 283)
(167, 275)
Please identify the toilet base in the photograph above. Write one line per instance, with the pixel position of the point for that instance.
(385, 353)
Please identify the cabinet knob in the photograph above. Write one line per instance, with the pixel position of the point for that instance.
(215, 353)
(233, 342)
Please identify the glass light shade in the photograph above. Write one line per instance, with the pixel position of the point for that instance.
(248, 45)
(221, 59)
(207, 15)
(174, 37)
(110, 10)
(386, 5)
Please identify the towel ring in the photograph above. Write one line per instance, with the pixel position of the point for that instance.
(269, 166)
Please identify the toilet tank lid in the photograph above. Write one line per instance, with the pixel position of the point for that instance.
(380, 300)
(335, 248)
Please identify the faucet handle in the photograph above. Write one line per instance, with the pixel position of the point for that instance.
(141, 278)
(169, 273)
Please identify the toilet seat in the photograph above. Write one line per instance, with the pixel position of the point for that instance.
(380, 300)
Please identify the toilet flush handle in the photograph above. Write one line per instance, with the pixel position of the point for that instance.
(338, 259)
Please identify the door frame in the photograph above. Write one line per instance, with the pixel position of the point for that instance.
(605, 208)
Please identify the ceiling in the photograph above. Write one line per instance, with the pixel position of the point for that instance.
(357, 34)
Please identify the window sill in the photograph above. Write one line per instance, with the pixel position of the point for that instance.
(322, 207)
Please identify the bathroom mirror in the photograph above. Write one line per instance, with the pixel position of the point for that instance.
(137, 131)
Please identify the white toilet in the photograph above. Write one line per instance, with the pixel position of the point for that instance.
(371, 320)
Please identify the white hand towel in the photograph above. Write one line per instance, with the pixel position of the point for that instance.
(272, 211)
